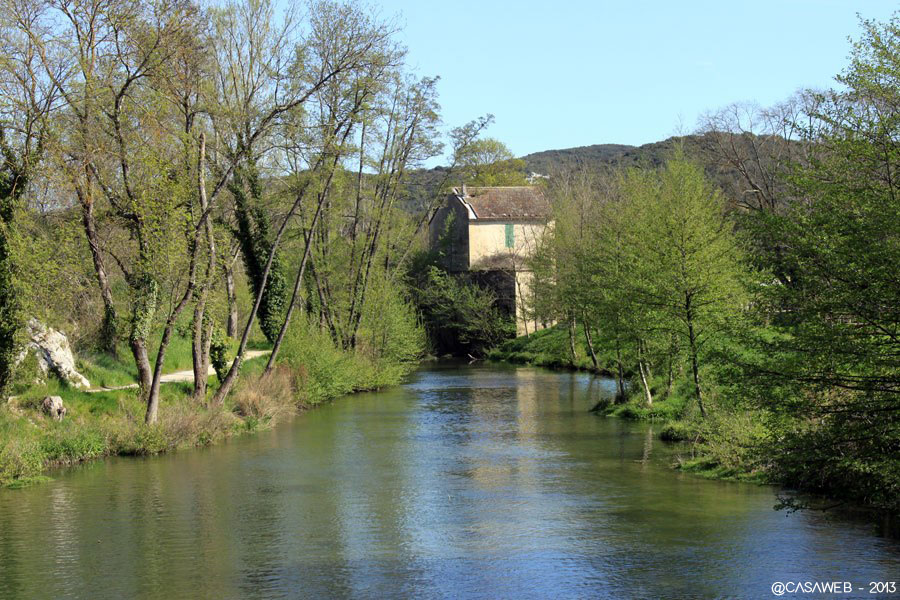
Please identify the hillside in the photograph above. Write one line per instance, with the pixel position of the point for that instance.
(599, 157)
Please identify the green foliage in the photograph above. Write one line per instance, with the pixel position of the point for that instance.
(392, 337)
(20, 459)
(219, 352)
(255, 238)
(550, 348)
(10, 311)
(144, 305)
(460, 316)
(828, 370)
(664, 409)
(13, 178)
(488, 162)
(70, 443)
(677, 431)
(324, 371)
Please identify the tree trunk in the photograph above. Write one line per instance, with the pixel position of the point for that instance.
(620, 373)
(669, 377)
(108, 333)
(231, 324)
(197, 352)
(228, 382)
(153, 398)
(142, 362)
(590, 344)
(299, 281)
(202, 334)
(573, 355)
(695, 367)
(644, 369)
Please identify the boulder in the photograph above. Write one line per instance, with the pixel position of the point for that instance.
(51, 348)
(53, 406)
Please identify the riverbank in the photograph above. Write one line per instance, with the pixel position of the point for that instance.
(551, 348)
(720, 446)
(110, 423)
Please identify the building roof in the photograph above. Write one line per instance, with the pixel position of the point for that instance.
(505, 203)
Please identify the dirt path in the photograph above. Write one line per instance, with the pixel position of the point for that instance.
(177, 376)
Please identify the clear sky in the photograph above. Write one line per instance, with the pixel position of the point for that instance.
(558, 74)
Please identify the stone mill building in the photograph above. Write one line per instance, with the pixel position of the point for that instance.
(490, 232)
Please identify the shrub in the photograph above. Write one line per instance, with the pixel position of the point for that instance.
(324, 371)
(73, 444)
(676, 431)
(266, 398)
(218, 353)
(20, 459)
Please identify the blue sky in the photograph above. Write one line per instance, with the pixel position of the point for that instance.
(573, 73)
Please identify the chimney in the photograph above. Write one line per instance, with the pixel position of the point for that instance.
(463, 190)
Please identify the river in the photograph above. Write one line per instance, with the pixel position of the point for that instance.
(467, 482)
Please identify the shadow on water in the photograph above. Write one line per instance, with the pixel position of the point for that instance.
(477, 481)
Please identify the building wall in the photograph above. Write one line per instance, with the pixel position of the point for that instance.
(487, 242)
(524, 290)
(453, 243)
(487, 250)
(480, 246)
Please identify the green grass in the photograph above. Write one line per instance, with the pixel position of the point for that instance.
(550, 348)
(708, 467)
(310, 371)
(662, 409)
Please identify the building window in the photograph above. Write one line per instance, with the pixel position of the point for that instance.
(510, 239)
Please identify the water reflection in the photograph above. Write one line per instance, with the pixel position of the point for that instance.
(468, 482)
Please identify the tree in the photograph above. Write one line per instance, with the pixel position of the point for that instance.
(255, 237)
(685, 266)
(27, 101)
(831, 373)
(488, 162)
(342, 40)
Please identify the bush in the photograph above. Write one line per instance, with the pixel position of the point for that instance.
(73, 444)
(266, 398)
(676, 431)
(218, 353)
(20, 459)
(461, 317)
(324, 372)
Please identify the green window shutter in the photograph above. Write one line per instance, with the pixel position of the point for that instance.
(510, 239)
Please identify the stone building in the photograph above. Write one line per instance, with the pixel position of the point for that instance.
(490, 232)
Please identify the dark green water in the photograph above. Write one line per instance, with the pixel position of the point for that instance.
(485, 482)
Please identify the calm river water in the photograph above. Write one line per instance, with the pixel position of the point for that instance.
(468, 482)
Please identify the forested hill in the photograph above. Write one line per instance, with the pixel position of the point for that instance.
(598, 156)
(718, 153)
(550, 161)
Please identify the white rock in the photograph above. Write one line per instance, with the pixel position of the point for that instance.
(53, 406)
(53, 353)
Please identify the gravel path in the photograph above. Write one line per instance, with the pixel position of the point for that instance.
(177, 376)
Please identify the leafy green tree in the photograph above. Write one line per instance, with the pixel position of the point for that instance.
(253, 233)
(12, 184)
(26, 102)
(684, 263)
(830, 367)
(460, 316)
(488, 162)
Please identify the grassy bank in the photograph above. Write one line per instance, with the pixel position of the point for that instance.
(550, 348)
(310, 371)
(720, 446)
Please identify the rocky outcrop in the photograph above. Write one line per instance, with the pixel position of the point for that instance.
(51, 348)
(53, 406)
